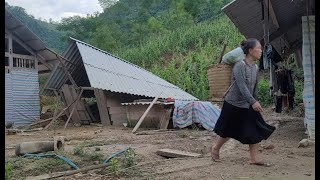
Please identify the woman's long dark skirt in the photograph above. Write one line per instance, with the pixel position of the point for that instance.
(244, 125)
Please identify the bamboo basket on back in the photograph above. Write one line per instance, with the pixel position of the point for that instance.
(219, 78)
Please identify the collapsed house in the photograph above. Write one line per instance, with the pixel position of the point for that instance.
(283, 27)
(26, 58)
(121, 89)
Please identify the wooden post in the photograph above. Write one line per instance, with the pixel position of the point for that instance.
(69, 99)
(65, 126)
(102, 106)
(144, 114)
(10, 52)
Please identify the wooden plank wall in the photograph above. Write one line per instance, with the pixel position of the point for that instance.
(117, 112)
(109, 103)
(69, 99)
(152, 119)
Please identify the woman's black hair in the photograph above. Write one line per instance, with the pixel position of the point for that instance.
(248, 44)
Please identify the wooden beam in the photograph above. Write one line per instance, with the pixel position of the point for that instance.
(74, 108)
(22, 56)
(67, 72)
(102, 106)
(271, 13)
(70, 100)
(145, 114)
(36, 63)
(49, 60)
(66, 60)
(15, 28)
(281, 31)
(62, 111)
(88, 88)
(42, 59)
(67, 173)
(56, 93)
(172, 153)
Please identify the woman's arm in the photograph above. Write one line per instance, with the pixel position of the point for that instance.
(255, 92)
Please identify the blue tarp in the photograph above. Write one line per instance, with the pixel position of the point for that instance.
(188, 112)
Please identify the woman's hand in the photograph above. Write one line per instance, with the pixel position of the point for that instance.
(257, 107)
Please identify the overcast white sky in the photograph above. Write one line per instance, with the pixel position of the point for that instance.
(56, 9)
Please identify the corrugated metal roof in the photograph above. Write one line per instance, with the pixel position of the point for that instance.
(247, 17)
(24, 34)
(147, 103)
(106, 71)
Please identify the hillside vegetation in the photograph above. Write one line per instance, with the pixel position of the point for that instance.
(174, 39)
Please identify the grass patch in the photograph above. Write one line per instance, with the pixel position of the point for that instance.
(97, 143)
(23, 167)
(18, 167)
(183, 133)
(8, 171)
(88, 156)
(117, 165)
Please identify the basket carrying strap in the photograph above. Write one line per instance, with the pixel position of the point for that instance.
(234, 82)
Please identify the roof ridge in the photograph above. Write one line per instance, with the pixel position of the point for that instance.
(108, 53)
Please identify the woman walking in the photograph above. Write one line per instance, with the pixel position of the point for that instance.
(240, 116)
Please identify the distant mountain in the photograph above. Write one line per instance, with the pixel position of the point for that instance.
(46, 31)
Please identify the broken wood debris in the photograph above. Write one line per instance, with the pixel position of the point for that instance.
(63, 110)
(15, 131)
(172, 153)
(93, 167)
(40, 122)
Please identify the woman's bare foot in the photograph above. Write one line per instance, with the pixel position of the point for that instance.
(260, 163)
(215, 155)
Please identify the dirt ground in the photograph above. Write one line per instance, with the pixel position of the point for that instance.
(289, 161)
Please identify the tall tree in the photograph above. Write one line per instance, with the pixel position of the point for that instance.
(107, 3)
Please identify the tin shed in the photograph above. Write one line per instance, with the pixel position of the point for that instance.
(26, 57)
